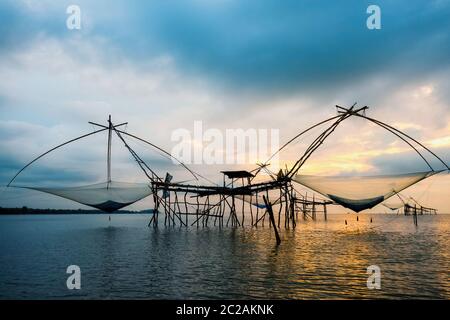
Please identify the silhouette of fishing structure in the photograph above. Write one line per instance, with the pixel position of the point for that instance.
(240, 201)
(410, 207)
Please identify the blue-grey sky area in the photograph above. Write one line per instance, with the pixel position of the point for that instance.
(161, 65)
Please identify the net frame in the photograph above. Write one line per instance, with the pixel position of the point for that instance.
(356, 204)
(118, 197)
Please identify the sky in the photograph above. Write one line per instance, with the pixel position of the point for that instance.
(161, 65)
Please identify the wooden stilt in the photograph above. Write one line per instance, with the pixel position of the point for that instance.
(272, 219)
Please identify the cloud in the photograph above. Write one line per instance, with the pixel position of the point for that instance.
(407, 162)
(296, 46)
(162, 65)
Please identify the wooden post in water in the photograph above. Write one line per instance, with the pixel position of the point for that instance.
(304, 206)
(272, 219)
(313, 213)
(292, 206)
(251, 210)
(257, 209)
(186, 209)
(281, 206)
(197, 210)
(243, 204)
(415, 215)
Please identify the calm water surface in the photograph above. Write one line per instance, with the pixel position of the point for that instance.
(123, 258)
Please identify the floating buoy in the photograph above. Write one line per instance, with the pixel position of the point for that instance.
(109, 218)
(370, 219)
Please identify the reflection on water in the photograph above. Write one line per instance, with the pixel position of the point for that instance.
(123, 258)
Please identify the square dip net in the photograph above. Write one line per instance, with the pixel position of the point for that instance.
(111, 195)
(360, 193)
(106, 196)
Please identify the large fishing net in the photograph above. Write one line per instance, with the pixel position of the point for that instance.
(360, 193)
(111, 195)
(106, 196)
(393, 205)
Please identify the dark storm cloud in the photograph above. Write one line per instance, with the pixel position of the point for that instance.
(289, 45)
(302, 44)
